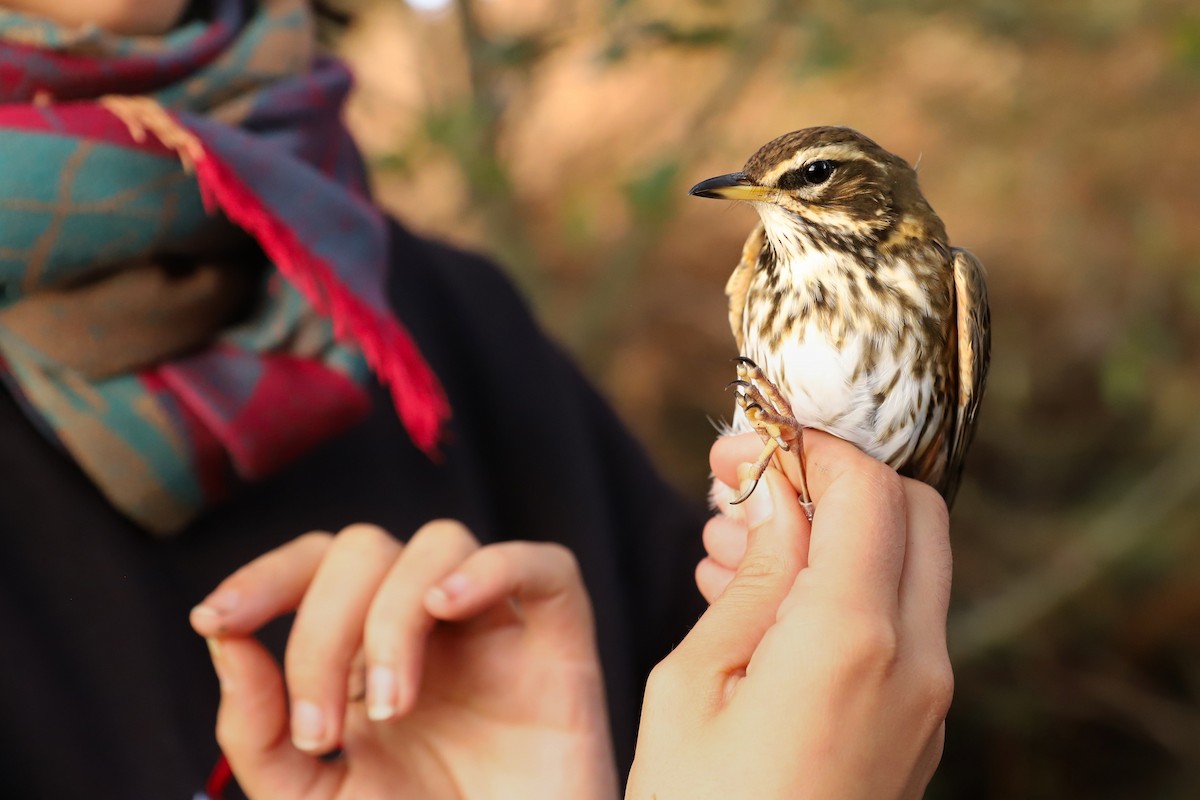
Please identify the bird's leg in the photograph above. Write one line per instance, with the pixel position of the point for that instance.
(751, 399)
(748, 371)
(772, 418)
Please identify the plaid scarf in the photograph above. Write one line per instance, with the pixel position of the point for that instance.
(173, 356)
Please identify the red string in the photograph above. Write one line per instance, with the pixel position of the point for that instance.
(219, 779)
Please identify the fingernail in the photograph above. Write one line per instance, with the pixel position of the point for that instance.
(451, 587)
(214, 650)
(308, 726)
(217, 604)
(759, 506)
(381, 693)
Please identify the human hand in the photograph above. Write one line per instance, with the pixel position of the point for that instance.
(482, 678)
(820, 670)
(725, 533)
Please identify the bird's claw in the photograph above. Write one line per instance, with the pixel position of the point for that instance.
(772, 418)
(741, 498)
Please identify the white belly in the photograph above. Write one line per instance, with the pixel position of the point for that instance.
(827, 389)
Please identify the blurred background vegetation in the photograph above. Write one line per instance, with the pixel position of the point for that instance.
(1058, 141)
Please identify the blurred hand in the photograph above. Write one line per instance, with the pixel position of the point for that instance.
(482, 678)
(820, 669)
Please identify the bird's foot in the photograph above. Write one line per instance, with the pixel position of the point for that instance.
(772, 418)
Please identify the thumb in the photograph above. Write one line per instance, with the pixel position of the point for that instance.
(725, 638)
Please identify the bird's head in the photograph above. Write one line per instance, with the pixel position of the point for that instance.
(826, 184)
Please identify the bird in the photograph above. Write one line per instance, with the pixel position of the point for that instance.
(852, 312)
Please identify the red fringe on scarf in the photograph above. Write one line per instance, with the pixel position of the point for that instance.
(389, 350)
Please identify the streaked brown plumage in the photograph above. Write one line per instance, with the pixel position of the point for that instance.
(854, 305)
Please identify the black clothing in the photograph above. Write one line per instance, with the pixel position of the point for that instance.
(105, 690)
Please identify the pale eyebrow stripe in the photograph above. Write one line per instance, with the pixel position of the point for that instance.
(829, 152)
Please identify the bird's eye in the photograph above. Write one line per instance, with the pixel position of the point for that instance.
(818, 172)
(811, 174)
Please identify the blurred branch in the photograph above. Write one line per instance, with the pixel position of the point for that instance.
(615, 277)
(473, 39)
(1175, 727)
(1117, 532)
(487, 179)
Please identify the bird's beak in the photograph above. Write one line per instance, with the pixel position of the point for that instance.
(734, 186)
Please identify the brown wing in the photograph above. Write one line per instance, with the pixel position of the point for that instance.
(974, 353)
(739, 281)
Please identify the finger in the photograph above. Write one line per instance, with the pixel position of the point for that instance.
(268, 586)
(543, 578)
(725, 540)
(252, 723)
(725, 638)
(328, 630)
(928, 564)
(927, 764)
(712, 578)
(859, 528)
(729, 452)
(397, 624)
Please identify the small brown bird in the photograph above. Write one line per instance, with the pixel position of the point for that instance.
(852, 311)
